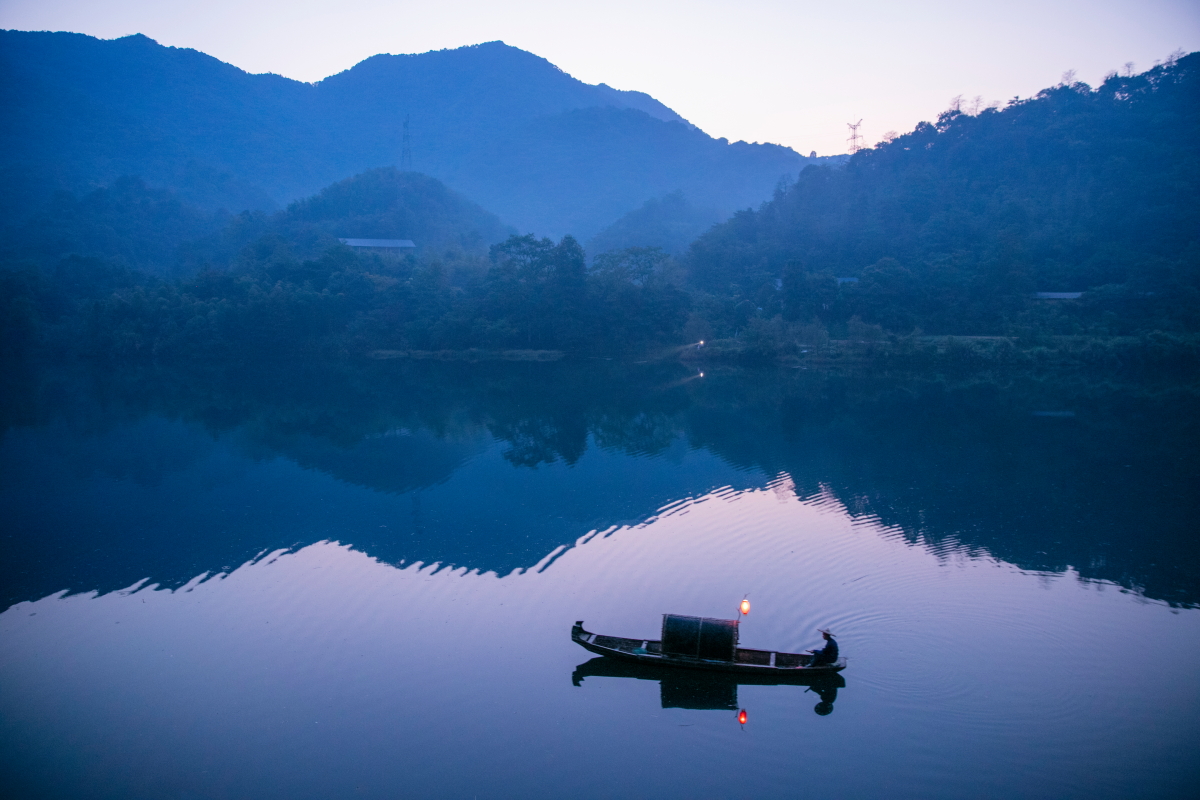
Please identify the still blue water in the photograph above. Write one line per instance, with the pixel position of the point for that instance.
(277, 605)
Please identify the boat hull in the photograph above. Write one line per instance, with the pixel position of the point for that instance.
(748, 662)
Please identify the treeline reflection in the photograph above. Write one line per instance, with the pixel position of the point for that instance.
(1043, 471)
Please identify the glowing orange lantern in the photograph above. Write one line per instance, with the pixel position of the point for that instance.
(745, 606)
(742, 716)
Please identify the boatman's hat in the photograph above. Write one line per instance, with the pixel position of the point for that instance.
(825, 631)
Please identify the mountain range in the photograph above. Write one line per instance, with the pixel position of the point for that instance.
(546, 152)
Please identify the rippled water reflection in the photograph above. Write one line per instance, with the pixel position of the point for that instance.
(431, 657)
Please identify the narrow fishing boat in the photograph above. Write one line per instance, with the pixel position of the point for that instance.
(701, 643)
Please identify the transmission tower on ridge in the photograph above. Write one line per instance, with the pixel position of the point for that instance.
(856, 138)
(405, 149)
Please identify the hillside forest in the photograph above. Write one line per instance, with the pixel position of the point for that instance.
(951, 229)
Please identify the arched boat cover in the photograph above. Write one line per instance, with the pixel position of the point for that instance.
(699, 637)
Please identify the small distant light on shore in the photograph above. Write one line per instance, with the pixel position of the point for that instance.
(701, 374)
(745, 606)
(701, 341)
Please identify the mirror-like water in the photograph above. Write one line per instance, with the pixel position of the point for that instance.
(368, 591)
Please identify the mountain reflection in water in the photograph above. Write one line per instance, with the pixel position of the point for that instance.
(362, 583)
(493, 467)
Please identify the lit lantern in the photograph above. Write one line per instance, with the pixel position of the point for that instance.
(742, 716)
(745, 606)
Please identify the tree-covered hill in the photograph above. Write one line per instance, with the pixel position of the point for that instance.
(954, 226)
(545, 151)
(387, 204)
(126, 223)
(129, 225)
(670, 223)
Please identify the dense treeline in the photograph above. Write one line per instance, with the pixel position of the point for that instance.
(954, 226)
(528, 294)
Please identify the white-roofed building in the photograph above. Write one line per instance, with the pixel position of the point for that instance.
(380, 244)
(1058, 295)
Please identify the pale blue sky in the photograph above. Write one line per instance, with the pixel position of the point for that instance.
(759, 70)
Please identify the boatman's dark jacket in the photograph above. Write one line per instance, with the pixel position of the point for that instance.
(828, 655)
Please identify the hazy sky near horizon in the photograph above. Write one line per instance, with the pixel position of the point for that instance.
(759, 70)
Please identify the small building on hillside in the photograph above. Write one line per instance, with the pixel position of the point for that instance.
(394, 247)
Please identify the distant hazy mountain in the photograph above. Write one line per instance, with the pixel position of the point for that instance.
(671, 223)
(545, 151)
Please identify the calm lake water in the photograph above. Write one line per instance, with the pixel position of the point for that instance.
(360, 582)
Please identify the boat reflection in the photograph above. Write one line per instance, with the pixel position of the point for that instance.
(705, 691)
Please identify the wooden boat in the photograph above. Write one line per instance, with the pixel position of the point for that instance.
(705, 644)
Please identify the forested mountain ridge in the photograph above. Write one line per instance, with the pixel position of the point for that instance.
(952, 227)
(948, 230)
(545, 151)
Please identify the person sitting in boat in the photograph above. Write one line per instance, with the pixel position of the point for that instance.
(826, 655)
